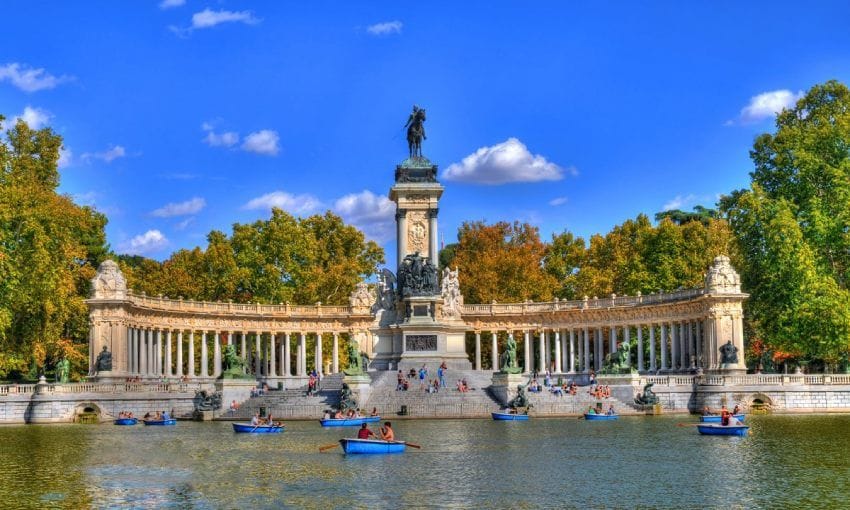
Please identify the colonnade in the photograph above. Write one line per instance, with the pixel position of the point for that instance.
(154, 352)
(668, 346)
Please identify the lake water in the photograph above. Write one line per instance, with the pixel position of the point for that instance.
(650, 462)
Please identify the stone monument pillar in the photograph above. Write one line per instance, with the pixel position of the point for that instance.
(108, 341)
(723, 348)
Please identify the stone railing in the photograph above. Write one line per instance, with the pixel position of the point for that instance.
(747, 380)
(284, 310)
(52, 389)
(583, 304)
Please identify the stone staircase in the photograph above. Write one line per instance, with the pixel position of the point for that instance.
(291, 403)
(446, 403)
(548, 403)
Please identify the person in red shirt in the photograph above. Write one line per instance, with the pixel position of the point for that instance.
(364, 432)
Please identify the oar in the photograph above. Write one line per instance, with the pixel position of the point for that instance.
(328, 447)
(688, 424)
(413, 445)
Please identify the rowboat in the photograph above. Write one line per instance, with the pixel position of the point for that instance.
(715, 429)
(600, 417)
(247, 428)
(126, 421)
(509, 417)
(349, 422)
(372, 446)
(170, 421)
(715, 418)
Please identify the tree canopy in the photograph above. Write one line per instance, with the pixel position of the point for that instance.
(49, 250)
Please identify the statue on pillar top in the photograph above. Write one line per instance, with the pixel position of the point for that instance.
(722, 277)
(507, 361)
(104, 360)
(728, 354)
(417, 276)
(416, 131)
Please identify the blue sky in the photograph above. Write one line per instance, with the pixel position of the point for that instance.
(183, 117)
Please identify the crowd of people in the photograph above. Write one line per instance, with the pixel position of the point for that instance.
(158, 416)
(609, 412)
(126, 414)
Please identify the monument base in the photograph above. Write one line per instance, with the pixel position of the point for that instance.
(504, 386)
(109, 376)
(234, 389)
(360, 386)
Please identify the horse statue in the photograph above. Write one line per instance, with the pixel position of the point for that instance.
(416, 132)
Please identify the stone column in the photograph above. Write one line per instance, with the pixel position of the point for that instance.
(335, 364)
(662, 341)
(683, 347)
(529, 364)
(287, 355)
(169, 371)
(547, 349)
(217, 354)
(244, 351)
(572, 351)
(599, 355)
(692, 334)
(612, 340)
(179, 366)
(586, 358)
(558, 351)
(258, 362)
(230, 338)
(494, 352)
(302, 354)
(401, 236)
(319, 358)
(205, 368)
(674, 347)
(190, 363)
(149, 365)
(272, 355)
(131, 359)
(652, 367)
(627, 340)
(640, 348)
(155, 349)
(160, 361)
(477, 350)
(432, 230)
(541, 352)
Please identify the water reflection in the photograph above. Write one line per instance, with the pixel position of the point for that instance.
(558, 463)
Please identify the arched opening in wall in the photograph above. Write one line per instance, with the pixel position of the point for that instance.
(760, 404)
(87, 412)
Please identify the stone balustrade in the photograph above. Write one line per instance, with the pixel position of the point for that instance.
(747, 380)
(285, 310)
(117, 388)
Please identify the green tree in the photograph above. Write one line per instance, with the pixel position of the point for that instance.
(49, 249)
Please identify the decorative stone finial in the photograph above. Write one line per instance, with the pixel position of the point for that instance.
(109, 282)
(722, 277)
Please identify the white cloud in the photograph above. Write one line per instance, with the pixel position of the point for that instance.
(209, 18)
(66, 156)
(385, 28)
(373, 214)
(185, 223)
(768, 104)
(168, 4)
(262, 142)
(680, 201)
(558, 201)
(109, 155)
(296, 204)
(226, 139)
(186, 208)
(509, 161)
(36, 118)
(28, 79)
(150, 241)
(87, 198)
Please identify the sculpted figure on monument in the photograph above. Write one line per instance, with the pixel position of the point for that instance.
(416, 131)
(104, 360)
(521, 399)
(355, 363)
(507, 361)
(361, 297)
(728, 353)
(450, 292)
(207, 400)
(63, 370)
(386, 291)
(417, 276)
(648, 397)
(232, 364)
(346, 399)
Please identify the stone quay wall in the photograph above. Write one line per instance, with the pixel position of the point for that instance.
(49, 403)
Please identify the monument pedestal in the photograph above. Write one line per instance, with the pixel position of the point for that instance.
(234, 389)
(505, 386)
(110, 376)
(360, 386)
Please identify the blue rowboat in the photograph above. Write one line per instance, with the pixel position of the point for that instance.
(170, 421)
(247, 428)
(372, 446)
(509, 417)
(716, 429)
(716, 418)
(600, 417)
(126, 421)
(349, 422)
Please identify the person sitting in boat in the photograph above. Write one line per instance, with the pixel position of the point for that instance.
(706, 411)
(338, 414)
(611, 410)
(255, 420)
(591, 410)
(374, 411)
(736, 410)
(387, 433)
(724, 416)
(147, 415)
(364, 432)
(327, 415)
(165, 415)
(130, 415)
